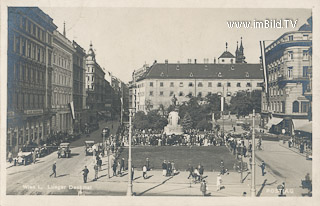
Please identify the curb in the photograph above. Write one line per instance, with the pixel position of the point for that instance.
(303, 154)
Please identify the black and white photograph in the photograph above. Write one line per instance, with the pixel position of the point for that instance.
(158, 100)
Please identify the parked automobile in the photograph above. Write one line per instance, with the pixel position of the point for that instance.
(89, 147)
(23, 158)
(64, 150)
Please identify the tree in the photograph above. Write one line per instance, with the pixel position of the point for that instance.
(204, 125)
(244, 102)
(187, 122)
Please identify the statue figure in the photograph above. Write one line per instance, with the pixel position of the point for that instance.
(174, 100)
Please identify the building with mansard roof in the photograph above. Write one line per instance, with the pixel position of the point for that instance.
(158, 83)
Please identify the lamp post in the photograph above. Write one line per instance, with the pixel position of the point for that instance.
(253, 186)
(129, 190)
(104, 134)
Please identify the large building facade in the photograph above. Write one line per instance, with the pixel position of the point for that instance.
(79, 90)
(160, 82)
(30, 37)
(95, 86)
(62, 83)
(286, 102)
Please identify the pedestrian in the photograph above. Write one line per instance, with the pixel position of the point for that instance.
(250, 148)
(169, 169)
(114, 167)
(203, 187)
(144, 171)
(190, 169)
(244, 151)
(122, 165)
(148, 164)
(164, 168)
(10, 157)
(96, 169)
(118, 168)
(219, 181)
(54, 167)
(173, 168)
(201, 170)
(85, 174)
(281, 189)
(132, 172)
(100, 163)
(263, 167)
(222, 167)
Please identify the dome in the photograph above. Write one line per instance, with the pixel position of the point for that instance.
(91, 52)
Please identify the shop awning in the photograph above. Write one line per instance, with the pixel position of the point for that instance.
(302, 125)
(273, 121)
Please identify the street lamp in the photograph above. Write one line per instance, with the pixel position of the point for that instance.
(129, 190)
(253, 186)
(105, 132)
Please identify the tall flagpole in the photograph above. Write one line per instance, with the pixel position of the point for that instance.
(253, 186)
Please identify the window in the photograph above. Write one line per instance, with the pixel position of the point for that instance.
(247, 74)
(305, 55)
(171, 84)
(305, 107)
(295, 106)
(151, 93)
(228, 84)
(290, 38)
(23, 47)
(219, 93)
(228, 94)
(238, 84)
(190, 84)
(219, 74)
(161, 93)
(190, 94)
(248, 84)
(222, 60)
(290, 55)
(151, 84)
(180, 94)
(200, 94)
(209, 84)
(200, 84)
(231, 60)
(161, 84)
(305, 71)
(181, 84)
(219, 84)
(305, 37)
(290, 72)
(171, 93)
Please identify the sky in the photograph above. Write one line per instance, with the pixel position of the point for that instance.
(125, 39)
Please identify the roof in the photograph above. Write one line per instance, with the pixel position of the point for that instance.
(89, 141)
(226, 54)
(205, 71)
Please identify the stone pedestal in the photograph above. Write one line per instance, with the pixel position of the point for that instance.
(173, 127)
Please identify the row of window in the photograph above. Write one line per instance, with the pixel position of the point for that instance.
(24, 101)
(28, 26)
(200, 84)
(61, 61)
(61, 99)
(27, 48)
(61, 79)
(288, 38)
(280, 107)
(305, 55)
(181, 94)
(28, 73)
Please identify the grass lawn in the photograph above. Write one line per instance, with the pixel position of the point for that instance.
(209, 157)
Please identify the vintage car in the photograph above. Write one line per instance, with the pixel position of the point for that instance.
(64, 150)
(23, 158)
(89, 147)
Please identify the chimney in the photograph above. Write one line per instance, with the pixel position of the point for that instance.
(214, 61)
(195, 61)
(166, 61)
(155, 61)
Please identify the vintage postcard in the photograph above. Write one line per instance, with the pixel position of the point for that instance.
(132, 102)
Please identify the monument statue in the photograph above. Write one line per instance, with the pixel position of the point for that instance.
(174, 100)
(173, 126)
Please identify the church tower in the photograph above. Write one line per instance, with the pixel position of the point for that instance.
(240, 58)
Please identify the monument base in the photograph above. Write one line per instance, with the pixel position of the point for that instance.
(169, 130)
